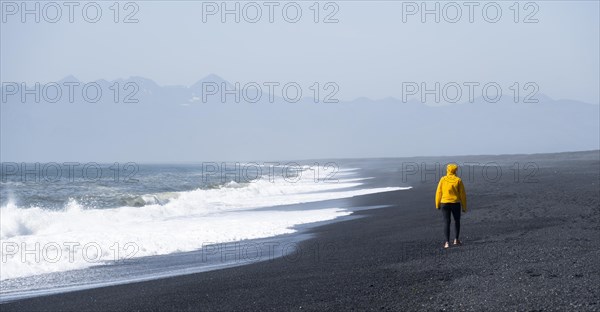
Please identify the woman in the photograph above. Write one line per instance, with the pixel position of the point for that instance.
(451, 197)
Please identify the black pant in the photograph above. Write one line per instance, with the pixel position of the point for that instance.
(455, 209)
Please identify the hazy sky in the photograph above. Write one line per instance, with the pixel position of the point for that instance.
(369, 52)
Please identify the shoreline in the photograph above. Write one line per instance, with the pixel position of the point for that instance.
(211, 257)
(527, 246)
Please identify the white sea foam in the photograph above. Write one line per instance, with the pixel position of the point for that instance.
(76, 237)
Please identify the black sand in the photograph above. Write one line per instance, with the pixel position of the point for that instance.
(527, 247)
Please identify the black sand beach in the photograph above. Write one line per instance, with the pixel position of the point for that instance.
(530, 244)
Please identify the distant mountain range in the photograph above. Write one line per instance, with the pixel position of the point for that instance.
(148, 122)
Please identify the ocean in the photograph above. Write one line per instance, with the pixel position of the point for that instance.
(67, 226)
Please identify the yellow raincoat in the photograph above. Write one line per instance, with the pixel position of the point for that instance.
(451, 189)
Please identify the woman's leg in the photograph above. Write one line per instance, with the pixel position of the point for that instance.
(456, 213)
(446, 210)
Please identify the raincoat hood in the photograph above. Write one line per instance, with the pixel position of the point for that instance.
(451, 169)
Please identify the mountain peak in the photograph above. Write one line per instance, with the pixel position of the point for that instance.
(69, 78)
(210, 78)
